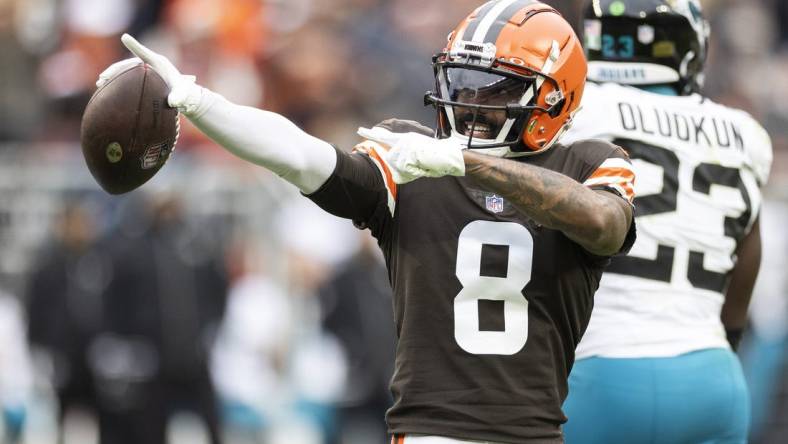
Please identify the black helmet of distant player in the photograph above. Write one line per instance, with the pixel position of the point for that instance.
(646, 42)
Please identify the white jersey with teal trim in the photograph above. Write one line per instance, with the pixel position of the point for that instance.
(699, 167)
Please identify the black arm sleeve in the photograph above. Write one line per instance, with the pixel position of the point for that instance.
(355, 191)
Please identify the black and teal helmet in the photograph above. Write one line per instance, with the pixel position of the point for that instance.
(646, 42)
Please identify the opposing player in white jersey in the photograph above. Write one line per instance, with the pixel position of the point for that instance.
(654, 365)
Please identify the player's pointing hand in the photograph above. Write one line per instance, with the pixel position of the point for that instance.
(184, 94)
(158, 62)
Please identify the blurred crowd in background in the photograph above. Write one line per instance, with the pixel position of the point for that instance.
(215, 304)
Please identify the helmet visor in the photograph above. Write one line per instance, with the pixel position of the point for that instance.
(470, 88)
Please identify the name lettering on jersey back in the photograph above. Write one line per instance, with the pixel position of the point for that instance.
(696, 129)
(620, 74)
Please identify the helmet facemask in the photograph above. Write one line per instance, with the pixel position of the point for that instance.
(487, 105)
(479, 104)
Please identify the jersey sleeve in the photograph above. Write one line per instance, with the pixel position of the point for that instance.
(755, 174)
(760, 152)
(606, 167)
(360, 190)
(614, 173)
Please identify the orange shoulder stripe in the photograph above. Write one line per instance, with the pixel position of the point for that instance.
(621, 172)
(389, 180)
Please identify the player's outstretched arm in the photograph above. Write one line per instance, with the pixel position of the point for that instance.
(743, 276)
(260, 137)
(597, 220)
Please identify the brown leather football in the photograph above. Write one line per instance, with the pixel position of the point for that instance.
(128, 129)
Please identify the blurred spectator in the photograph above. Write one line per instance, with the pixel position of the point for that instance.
(250, 354)
(63, 305)
(315, 244)
(21, 98)
(161, 308)
(764, 351)
(15, 368)
(782, 20)
(277, 373)
(88, 43)
(357, 309)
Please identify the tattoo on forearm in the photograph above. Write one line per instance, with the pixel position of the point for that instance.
(549, 198)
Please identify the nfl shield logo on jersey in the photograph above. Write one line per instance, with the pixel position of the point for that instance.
(494, 203)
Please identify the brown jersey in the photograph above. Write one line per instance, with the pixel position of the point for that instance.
(489, 306)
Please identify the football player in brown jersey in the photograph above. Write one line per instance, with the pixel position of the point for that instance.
(495, 235)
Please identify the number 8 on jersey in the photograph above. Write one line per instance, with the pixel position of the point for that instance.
(477, 287)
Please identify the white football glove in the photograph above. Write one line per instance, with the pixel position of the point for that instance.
(412, 155)
(184, 93)
(380, 150)
(115, 69)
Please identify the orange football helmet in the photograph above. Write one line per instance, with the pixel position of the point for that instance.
(510, 78)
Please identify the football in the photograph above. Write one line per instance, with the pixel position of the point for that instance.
(128, 129)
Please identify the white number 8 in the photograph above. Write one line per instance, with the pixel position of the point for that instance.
(507, 289)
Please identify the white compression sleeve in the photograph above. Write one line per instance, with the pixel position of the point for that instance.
(266, 139)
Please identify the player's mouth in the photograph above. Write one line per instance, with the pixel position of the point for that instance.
(478, 130)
